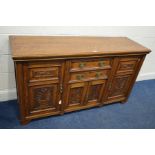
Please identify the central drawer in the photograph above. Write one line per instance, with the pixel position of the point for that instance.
(88, 75)
(90, 64)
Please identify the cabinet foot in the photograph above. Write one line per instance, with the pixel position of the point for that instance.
(100, 105)
(62, 113)
(123, 101)
(24, 122)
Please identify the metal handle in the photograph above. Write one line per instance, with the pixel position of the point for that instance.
(81, 65)
(79, 77)
(98, 74)
(101, 63)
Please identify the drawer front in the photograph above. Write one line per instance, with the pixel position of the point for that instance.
(89, 75)
(90, 64)
(44, 73)
(127, 64)
(40, 71)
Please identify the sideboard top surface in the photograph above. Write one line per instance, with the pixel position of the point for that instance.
(25, 47)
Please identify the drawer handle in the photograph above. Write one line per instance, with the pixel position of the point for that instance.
(81, 65)
(79, 77)
(98, 74)
(101, 63)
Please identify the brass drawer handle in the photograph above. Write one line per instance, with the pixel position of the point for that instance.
(101, 64)
(98, 74)
(81, 65)
(80, 77)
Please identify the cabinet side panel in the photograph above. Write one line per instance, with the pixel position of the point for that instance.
(20, 88)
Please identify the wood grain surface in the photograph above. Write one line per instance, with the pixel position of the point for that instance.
(24, 47)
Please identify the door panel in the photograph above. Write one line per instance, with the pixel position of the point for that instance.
(75, 95)
(127, 65)
(119, 87)
(95, 92)
(43, 98)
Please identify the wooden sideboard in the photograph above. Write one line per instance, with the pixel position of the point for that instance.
(55, 75)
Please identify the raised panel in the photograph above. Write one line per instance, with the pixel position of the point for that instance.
(95, 92)
(43, 98)
(127, 65)
(43, 71)
(75, 95)
(119, 86)
(38, 74)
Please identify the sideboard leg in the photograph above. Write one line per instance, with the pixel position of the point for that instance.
(122, 102)
(100, 105)
(24, 122)
(62, 113)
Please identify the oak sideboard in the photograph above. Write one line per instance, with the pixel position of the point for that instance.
(60, 74)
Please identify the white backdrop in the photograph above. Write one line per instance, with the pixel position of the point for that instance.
(143, 35)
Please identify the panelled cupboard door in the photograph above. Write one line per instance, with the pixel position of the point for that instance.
(95, 92)
(75, 96)
(43, 98)
(119, 87)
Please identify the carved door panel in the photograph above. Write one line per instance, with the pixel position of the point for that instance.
(95, 92)
(75, 95)
(43, 98)
(118, 88)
